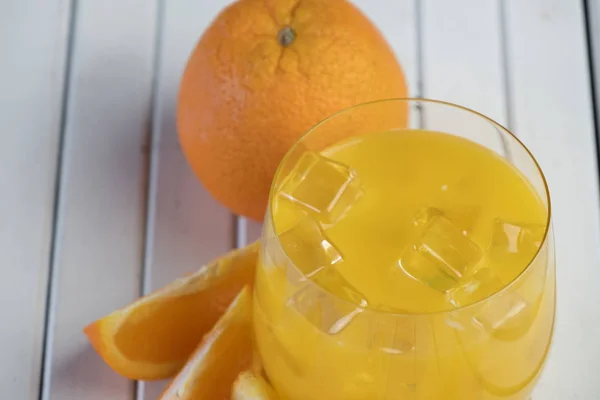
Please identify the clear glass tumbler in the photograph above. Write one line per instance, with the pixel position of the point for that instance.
(461, 353)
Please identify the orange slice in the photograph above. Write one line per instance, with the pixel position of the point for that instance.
(223, 353)
(153, 337)
(250, 386)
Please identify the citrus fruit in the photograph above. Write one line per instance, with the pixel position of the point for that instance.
(250, 386)
(262, 74)
(153, 337)
(223, 353)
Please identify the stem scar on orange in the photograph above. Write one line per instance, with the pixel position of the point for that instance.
(262, 74)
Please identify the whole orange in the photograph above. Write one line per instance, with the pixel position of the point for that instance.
(262, 74)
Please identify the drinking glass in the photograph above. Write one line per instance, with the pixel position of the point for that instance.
(455, 354)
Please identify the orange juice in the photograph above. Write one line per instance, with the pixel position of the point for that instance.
(382, 274)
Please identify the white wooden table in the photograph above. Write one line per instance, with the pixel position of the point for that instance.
(98, 206)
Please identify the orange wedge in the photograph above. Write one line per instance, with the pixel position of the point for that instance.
(250, 386)
(223, 353)
(153, 337)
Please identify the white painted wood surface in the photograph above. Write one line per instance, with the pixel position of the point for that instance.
(462, 56)
(552, 111)
(131, 216)
(186, 226)
(33, 48)
(101, 211)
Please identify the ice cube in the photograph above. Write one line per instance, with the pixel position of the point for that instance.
(332, 280)
(512, 238)
(309, 248)
(441, 256)
(308, 301)
(457, 201)
(324, 310)
(506, 317)
(340, 323)
(324, 188)
(463, 216)
(454, 322)
(425, 215)
(345, 306)
(480, 285)
(329, 301)
(391, 334)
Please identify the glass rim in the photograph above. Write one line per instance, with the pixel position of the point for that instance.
(506, 287)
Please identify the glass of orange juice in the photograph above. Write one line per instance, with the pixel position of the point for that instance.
(407, 253)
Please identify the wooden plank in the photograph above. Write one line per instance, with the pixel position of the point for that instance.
(100, 232)
(186, 226)
(550, 86)
(462, 57)
(397, 22)
(248, 231)
(33, 44)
